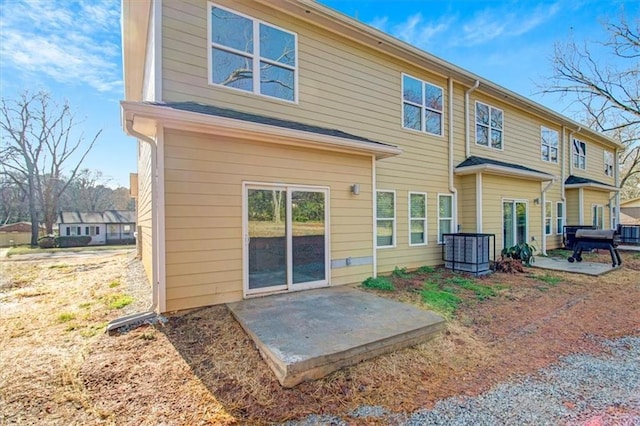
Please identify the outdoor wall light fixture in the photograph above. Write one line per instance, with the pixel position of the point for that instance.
(355, 189)
(536, 201)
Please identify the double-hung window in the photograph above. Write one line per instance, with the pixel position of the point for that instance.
(608, 163)
(489, 126)
(385, 219)
(598, 216)
(251, 55)
(422, 106)
(445, 215)
(559, 217)
(549, 139)
(417, 218)
(548, 218)
(579, 154)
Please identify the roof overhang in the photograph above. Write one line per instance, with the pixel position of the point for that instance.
(495, 169)
(146, 119)
(592, 185)
(134, 21)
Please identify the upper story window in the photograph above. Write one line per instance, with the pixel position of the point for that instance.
(579, 154)
(251, 55)
(489, 125)
(549, 138)
(422, 106)
(608, 163)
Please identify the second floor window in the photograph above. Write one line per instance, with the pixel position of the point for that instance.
(489, 125)
(549, 145)
(421, 106)
(608, 163)
(579, 154)
(250, 55)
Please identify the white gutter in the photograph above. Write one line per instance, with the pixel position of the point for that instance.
(151, 311)
(616, 172)
(452, 187)
(467, 137)
(562, 174)
(543, 203)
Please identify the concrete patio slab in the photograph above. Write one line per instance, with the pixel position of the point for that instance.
(308, 334)
(560, 264)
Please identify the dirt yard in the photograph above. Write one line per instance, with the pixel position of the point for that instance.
(57, 366)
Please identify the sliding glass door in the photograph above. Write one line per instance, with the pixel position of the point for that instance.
(514, 223)
(285, 238)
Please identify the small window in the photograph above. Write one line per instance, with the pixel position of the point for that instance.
(489, 126)
(86, 230)
(417, 218)
(608, 163)
(548, 212)
(579, 154)
(68, 231)
(549, 139)
(97, 230)
(253, 56)
(385, 219)
(445, 215)
(559, 218)
(598, 216)
(422, 106)
(126, 229)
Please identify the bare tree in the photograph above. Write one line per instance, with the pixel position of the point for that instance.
(38, 142)
(13, 202)
(607, 91)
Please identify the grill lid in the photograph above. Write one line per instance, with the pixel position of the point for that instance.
(596, 234)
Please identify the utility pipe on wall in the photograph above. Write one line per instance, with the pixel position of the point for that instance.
(467, 136)
(452, 187)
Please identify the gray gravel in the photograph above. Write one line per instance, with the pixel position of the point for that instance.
(577, 388)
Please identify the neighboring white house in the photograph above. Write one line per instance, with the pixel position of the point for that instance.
(107, 227)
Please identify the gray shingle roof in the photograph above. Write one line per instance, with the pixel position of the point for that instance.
(577, 180)
(107, 216)
(478, 161)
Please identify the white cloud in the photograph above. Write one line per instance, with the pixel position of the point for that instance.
(69, 41)
(414, 30)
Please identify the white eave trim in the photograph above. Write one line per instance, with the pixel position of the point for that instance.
(593, 185)
(145, 118)
(505, 171)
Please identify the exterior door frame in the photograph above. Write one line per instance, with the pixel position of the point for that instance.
(289, 286)
(515, 201)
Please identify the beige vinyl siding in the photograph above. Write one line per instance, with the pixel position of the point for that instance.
(203, 205)
(573, 207)
(467, 203)
(594, 159)
(601, 198)
(143, 204)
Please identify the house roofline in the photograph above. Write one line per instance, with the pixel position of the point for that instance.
(146, 117)
(592, 185)
(504, 171)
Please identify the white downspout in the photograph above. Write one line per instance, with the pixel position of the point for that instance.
(543, 202)
(467, 137)
(616, 172)
(452, 187)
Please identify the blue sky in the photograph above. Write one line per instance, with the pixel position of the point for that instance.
(71, 48)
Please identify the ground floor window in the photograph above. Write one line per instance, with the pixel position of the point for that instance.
(385, 219)
(92, 230)
(548, 218)
(559, 217)
(445, 215)
(417, 218)
(514, 222)
(73, 231)
(598, 216)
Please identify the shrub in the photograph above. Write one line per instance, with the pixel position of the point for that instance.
(73, 241)
(400, 273)
(380, 283)
(46, 242)
(121, 242)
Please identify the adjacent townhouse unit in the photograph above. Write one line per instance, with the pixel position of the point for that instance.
(106, 227)
(284, 146)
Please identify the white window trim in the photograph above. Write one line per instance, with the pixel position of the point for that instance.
(560, 229)
(607, 165)
(549, 218)
(573, 153)
(593, 217)
(440, 241)
(422, 107)
(256, 54)
(514, 200)
(395, 215)
(424, 219)
(543, 144)
(475, 112)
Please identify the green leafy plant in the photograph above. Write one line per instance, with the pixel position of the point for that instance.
(400, 273)
(482, 292)
(117, 300)
(379, 283)
(438, 299)
(521, 251)
(425, 270)
(547, 278)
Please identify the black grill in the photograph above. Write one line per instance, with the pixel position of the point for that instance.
(590, 239)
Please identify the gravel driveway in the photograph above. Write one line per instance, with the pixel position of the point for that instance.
(579, 390)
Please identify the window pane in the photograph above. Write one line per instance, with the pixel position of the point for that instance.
(445, 227)
(385, 208)
(384, 233)
(554, 154)
(417, 206)
(482, 114)
(277, 45)
(417, 231)
(231, 30)
(412, 119)
(433, 97)
(445, 206)
(412, 90)
(496, 118)
(507, 225)
(545, 152)
(496, 139)
(232, 70)
(521, 223)
(433, 122)
(482, 135)
(276, 81)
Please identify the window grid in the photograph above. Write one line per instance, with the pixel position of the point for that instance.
(548, 218)
(445, 215)
(385, 218)
(549, 142)
(579, 154)
(422, 106)
(417, 219)
(608, 163)
(559, 218)
(489, 126)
